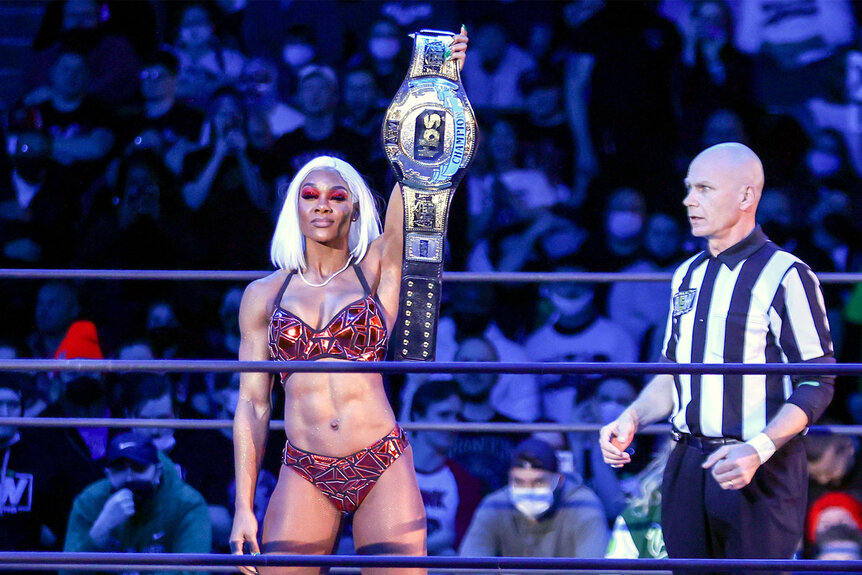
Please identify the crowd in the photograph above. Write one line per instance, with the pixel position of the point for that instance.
(160, 135)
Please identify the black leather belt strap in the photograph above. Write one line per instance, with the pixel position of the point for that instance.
(705, 444)
(429, 136)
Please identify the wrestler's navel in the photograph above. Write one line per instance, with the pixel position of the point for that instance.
(334, 424)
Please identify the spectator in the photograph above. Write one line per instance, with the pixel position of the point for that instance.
(829, 511)
(222, 178)
(210, 471)
(385, 55)
(616, 130)
(723, 125)
(76, 124)
(506, 205)
(71, 458)
(468, 314)
(840, 543)
(205, 64)
(149, 396)
(619, 241)
(259, 85)
(141, 505)
(22, 502)
(57, 306)
(547, 141)
(637, 531)
(298, 50)
(39, 206)
(794, 50)
(485, 456)
(602, 405)
(495, 65)
(363, 103)
(163, 124)
(449, 492)
(716, 75)
(146, 205)
(832, 464)
(111, 60)
(641, 308)
(226, 339)
(575, 331)
(828, 165)
(541, 513)
(317, 97)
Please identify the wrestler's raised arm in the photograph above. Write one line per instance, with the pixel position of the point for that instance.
(253, 411)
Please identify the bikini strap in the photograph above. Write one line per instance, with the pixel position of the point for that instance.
(283, 287)
(361, 277)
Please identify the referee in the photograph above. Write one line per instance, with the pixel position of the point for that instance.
(735, 484)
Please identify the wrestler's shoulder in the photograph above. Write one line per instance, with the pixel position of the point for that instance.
(263, 290)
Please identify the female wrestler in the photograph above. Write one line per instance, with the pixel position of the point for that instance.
(334, 297)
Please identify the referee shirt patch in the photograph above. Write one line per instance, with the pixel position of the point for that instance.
(683, 302)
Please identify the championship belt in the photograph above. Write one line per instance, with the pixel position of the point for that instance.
(429, 135)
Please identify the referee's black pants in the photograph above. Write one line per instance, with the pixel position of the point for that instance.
(763, 520)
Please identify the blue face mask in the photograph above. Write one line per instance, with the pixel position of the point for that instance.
(533, 501)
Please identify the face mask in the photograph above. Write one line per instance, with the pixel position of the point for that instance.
(568, 307)
(823, 163)
(625, 225)
(195, 35)
(142, 490)
(164, 442)
(532, 501)
(383, 48)
(297, 55)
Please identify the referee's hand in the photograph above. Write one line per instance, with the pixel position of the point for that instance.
(733, 466)
(615, 437)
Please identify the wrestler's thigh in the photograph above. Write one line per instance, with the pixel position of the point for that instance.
(299, 520)
(391, 520)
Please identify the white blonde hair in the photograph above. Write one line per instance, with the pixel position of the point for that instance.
(287, 250)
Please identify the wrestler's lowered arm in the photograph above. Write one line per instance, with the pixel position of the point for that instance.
(253, 411)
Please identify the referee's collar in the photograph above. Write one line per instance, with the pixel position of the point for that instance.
(743, 249)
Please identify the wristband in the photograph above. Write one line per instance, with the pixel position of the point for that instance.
(763, 445)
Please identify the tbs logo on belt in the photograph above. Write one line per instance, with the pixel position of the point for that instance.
(430, 131)
(683, 302)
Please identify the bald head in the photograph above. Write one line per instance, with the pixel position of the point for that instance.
(738, 161)
(724, 185)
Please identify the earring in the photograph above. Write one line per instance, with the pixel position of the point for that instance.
(354, 217)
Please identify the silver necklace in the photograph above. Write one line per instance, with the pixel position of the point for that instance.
(329, 279)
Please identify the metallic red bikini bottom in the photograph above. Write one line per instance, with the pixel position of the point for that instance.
(347, 481)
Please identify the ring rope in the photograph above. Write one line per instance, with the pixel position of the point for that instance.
(278, 424)
(180, 560)
(548, 368)
(477, 277)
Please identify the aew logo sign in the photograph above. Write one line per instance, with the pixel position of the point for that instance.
(430, 131)
(16, 493)
(683, 302)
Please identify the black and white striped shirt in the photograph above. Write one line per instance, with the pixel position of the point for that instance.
(753, 303)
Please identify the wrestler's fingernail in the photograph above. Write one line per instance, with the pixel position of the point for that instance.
(447, 54)
(253, 553)
(464, 28)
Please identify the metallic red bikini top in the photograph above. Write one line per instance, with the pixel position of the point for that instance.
(356, 333)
